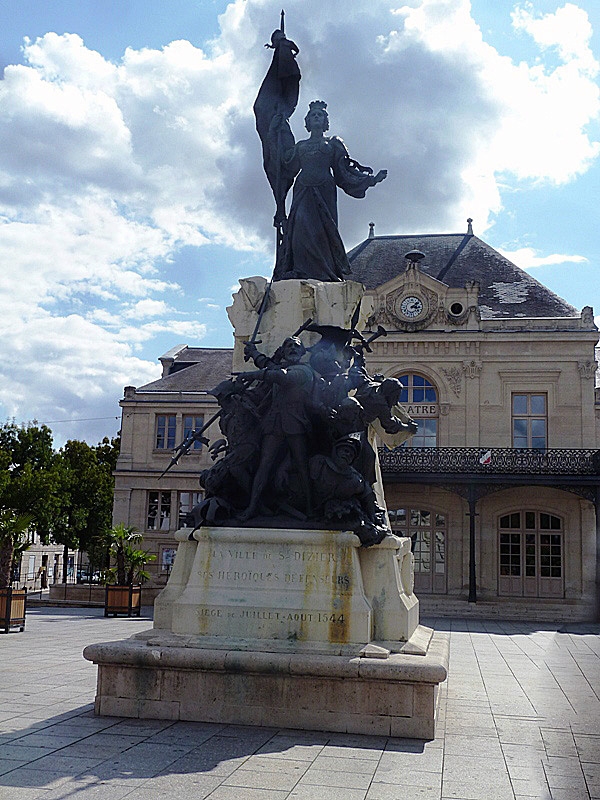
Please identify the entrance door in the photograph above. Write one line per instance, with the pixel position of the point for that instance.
(427, 531)
(530, 555)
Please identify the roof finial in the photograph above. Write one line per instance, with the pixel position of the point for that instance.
(470, 228)
(371, 230)
(282, 23)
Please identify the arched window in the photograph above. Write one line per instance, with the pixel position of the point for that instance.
(420, 398)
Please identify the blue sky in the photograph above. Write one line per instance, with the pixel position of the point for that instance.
(132, 196)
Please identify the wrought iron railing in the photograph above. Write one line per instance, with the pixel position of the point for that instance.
(490, 461)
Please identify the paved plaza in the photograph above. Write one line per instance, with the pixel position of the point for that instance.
(519, 718)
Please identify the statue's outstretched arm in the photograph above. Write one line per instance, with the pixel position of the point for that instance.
(350, 176)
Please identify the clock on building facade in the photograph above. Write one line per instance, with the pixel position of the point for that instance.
(411, 306)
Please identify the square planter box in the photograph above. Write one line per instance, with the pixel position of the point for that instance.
(125, 600)
(13, 605)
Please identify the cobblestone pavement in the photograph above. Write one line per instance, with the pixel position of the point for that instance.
(519, 718)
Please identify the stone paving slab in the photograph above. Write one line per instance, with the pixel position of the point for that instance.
(519, 719)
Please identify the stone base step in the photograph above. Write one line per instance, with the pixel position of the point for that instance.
(391, 696)
(526, 608)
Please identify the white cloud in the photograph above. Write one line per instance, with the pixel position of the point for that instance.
(67, 368)
(568, 30)
(147, 308)
(170, 136)
(209, 302)
(191, 329)
(527, 258)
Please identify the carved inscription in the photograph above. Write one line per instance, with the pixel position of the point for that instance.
(296, 555)
(286, 568)
(277, 616)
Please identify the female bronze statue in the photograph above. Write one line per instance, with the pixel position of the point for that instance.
(312, 246)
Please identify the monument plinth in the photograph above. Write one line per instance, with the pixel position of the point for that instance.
(298, 628)
(280, 585)
(288, 590)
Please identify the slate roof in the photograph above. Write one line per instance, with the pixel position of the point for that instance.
(205, 368)
(455, 258)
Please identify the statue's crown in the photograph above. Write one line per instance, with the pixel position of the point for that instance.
(317, 105)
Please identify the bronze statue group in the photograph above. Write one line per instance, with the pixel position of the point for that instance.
(296, 451)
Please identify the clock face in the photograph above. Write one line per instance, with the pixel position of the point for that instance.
(411, 306)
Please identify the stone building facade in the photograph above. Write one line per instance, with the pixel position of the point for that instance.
(41, 566)
(500, 488)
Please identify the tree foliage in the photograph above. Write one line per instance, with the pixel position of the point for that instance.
(27, 461)
(14, 540)
(68, 494)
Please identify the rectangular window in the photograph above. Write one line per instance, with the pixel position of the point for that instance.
(397, 518)
(510, 554)
(530, 558)
(167, 558)
(31, 568)
(530, 421)
(426, 436)
(421, 547)
(440, 552)
(550, 556)
(187, 500)
(166, 429)
(192, 424)
(426, 529)
(423, 391)
(420, 398)
(159, 511)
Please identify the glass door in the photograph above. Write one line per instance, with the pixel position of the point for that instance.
(427, 531)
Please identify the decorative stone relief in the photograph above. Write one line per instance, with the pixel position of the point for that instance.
(454, 378)
(444, 409)
(587, 317)
(415, 301)
(587, 369)
(472, 368)
(391, 310)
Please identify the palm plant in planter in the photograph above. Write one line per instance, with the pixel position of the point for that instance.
(124, 579)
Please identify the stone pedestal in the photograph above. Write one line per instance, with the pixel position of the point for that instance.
(300, 629)
(396, 696)
(311, 590)
(290, 304)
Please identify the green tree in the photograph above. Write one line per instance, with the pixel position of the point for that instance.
(14, 540)
(27, 483)
(26, 462)
(107, 452)
(84, 496)
(69, 493)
